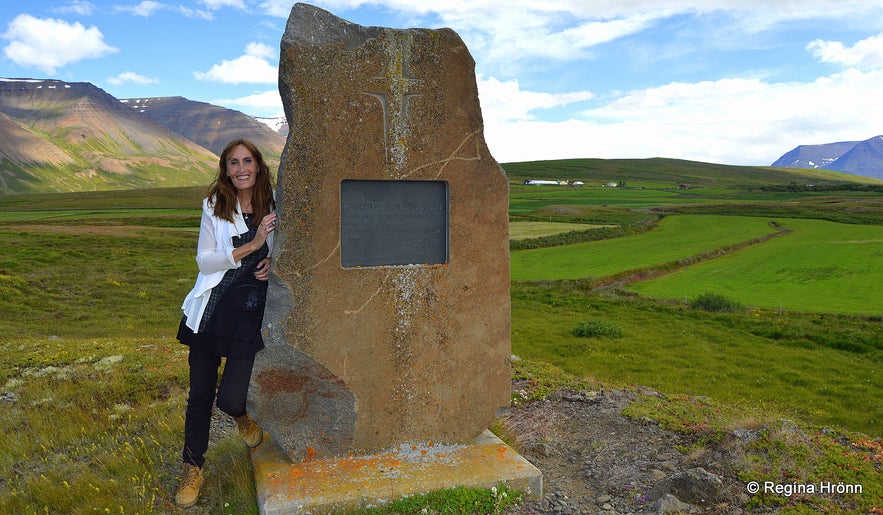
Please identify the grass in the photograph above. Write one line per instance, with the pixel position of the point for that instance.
(826, 368)
(776, 450)
(523, 230)
(778, 453)
(672, 172)
(90, 285)
(94, 281)
(818, 266)
(104, 420)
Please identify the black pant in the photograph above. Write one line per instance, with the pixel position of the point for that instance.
(232, 395)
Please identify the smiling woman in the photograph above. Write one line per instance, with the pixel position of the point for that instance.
(224, 311)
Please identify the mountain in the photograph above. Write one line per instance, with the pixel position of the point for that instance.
(814, 156)
(209, 125)
(73, 136)
(65, 136)
(865, 158)
(854, 157)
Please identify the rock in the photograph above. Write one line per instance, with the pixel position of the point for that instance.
(670, 504)
(542, 449)
(747, 435)
(696, 485)
(373, 340)
(657, 474)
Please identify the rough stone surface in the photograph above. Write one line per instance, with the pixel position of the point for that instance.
(696, 485)
(359, 359)
(595, 459)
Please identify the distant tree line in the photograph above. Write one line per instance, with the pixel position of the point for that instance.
(834, 186)
(594, 234)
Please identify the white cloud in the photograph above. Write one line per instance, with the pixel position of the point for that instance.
(268, 104)
(132, 77)
(214, 5)
(145, 9)
(252, 67)
(47, 44)
(195, 13)
(733, 121)
(865, 54)
(278, 8)
(513, 37)
(260, 50)
(507, 101)
(78, 7)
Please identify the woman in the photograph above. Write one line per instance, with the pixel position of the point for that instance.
(224, 311)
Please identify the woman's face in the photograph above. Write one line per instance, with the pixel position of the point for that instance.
(242, 168)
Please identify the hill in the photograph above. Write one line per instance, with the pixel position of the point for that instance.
(814, 156)
(61, 136)
(674, 171)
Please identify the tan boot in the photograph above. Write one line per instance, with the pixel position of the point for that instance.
(191, 484)
(250, 431)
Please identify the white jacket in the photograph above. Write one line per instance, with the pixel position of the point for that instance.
(214, 256)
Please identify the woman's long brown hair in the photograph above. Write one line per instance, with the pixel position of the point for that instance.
(222, 191)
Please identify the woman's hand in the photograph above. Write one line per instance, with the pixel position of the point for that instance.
(262, 271)
(268, 225)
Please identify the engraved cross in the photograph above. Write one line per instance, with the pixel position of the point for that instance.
(395, 93)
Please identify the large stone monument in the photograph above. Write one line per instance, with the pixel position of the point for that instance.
(388, 313)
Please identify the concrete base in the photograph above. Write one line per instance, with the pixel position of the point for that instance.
(325, 485)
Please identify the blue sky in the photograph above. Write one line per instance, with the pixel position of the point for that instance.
(724, 81)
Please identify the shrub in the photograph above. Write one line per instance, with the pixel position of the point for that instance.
(597, 328)
(715, 302)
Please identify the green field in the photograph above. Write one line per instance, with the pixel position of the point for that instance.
(818, 267)
(676, 237)
(523, 230)
(91, 284)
